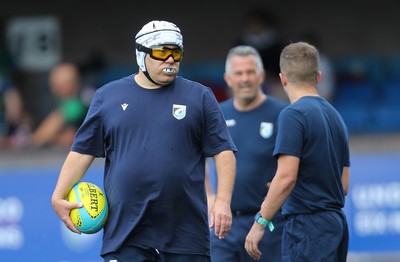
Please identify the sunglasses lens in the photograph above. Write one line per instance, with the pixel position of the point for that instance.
(163, 54)
(177, 55)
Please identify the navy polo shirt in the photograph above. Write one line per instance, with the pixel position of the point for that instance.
(312, 130)
(155, 142)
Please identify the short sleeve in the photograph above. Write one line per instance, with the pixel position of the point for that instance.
(89, 138)
(290, 133)
(216, 136)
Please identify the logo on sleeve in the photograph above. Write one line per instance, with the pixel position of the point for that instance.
(179, 111)
(266, 129)
(124, 106)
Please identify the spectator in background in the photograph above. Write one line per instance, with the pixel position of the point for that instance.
(17, 122)
(59, 127)
(261, 32)
(14, 121)
(4, 86)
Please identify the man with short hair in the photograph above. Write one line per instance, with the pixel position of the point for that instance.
(312, 177)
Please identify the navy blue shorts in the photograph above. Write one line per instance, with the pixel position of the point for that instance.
(140, 254)
(231, 248)
(321, 236)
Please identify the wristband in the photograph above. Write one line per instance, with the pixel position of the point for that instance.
(263, 222)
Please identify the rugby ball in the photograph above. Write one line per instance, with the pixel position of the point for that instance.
(90, 218)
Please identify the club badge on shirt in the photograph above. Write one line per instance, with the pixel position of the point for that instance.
(266, 129)
(179, 111)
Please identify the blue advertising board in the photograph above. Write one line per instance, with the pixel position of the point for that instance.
(30, 230)
(373, 203)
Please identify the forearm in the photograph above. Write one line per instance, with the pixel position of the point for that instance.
(221, 215)
(278, 192)
(225, 163)
(73, 169)
(281, 186)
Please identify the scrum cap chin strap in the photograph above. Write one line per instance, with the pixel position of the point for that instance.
(148, 77)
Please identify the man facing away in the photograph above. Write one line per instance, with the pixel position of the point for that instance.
(312, 177)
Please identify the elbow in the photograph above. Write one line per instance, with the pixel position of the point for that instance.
(289, 183)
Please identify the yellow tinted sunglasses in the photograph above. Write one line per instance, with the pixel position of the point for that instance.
(162, 53)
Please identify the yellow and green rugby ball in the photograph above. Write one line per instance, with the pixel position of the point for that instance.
(90, 218)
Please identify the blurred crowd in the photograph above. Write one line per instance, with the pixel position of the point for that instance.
(18, 127)
(21, 127)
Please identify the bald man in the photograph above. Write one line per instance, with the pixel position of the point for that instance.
(59, 127)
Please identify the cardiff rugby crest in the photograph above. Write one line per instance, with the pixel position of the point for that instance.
(266, 129)
(179, 111)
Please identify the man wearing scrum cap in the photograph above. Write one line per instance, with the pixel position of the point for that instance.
(155, 129)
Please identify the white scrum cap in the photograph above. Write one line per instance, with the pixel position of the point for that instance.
(156, 33)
